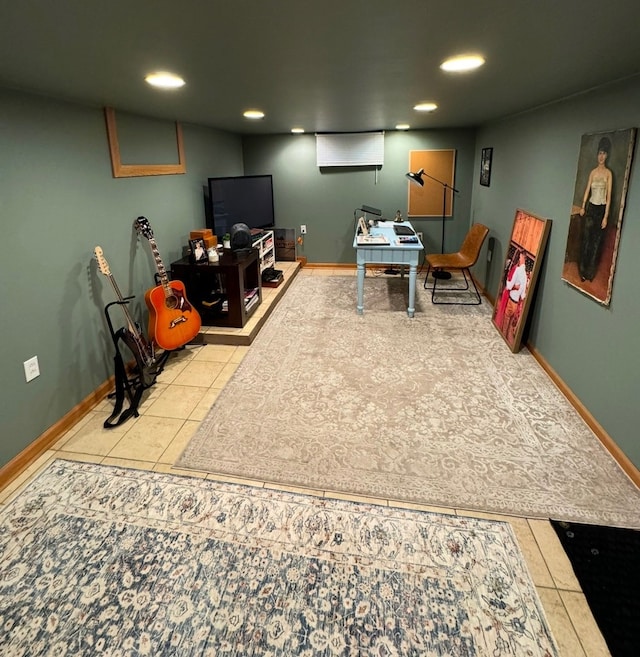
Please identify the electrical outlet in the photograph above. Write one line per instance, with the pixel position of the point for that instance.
(303, 229)
(420, 237)
(31, 369)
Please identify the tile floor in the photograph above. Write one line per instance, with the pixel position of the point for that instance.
(171, 411)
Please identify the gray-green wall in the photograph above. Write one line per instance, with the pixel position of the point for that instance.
(325, 199)
(594, 349)
(58, 200)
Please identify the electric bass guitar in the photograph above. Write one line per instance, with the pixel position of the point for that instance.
(173, 321)
(142, 351)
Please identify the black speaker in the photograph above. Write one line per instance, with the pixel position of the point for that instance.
(240, 237)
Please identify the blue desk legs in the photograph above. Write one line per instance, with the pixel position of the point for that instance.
(413, 273)
(360, 304)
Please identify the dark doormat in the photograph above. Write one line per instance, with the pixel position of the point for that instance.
(606, 561)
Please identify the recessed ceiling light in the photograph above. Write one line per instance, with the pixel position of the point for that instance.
(164, 80)
(403, 126)
(253, 114)
(425, 107)
(462, 63)
(297, 131)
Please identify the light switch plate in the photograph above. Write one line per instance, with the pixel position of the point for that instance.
(31, 369)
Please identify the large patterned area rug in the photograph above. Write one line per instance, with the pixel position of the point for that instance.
(98, 560)
(434, 409)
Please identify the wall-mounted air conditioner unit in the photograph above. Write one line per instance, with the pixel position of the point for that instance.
(350, 149)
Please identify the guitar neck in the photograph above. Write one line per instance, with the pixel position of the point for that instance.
(164, 278)
(131, 325)
(144, 355)
(144, 351)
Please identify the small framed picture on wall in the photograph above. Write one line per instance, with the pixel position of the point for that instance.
(485, 166)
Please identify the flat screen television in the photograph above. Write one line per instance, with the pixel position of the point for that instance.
(240, 199)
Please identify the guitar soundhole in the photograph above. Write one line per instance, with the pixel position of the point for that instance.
(172, 302)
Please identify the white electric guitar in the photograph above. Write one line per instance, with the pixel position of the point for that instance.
(133, 338)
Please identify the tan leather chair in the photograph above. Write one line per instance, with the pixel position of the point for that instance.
(462, 261)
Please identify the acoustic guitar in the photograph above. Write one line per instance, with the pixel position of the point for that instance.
(142, 351)
(173, 321)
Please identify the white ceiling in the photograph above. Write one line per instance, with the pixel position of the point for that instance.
(324, 65)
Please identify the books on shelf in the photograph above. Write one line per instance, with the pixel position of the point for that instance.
(251, 297)
(251, 303)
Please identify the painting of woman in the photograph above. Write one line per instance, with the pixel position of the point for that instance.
(596, 204)
(596, 216)
(521, 267)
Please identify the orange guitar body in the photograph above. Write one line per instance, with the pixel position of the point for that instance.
(173, 321)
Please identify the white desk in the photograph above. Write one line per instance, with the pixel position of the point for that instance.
(391, 253)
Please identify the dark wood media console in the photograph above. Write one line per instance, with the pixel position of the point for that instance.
(225, 293)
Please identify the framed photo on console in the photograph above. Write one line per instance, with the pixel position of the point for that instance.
(519, 274)
(198, 251)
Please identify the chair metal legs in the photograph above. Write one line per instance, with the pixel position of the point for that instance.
(448, 288)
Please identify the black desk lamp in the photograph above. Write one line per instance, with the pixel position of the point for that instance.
(416, 179)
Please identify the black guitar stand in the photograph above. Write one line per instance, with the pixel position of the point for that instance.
(131, 384)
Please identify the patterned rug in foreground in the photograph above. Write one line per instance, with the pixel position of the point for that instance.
(104, 560)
